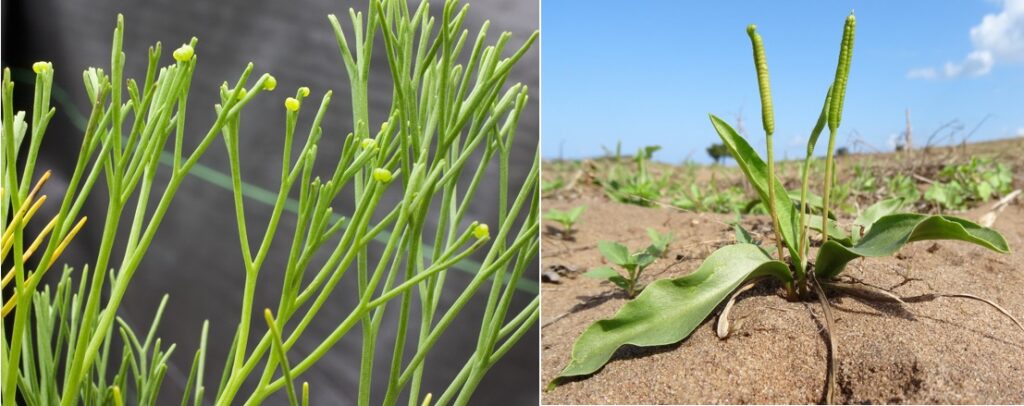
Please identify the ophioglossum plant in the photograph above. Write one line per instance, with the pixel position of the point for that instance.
(668, 311)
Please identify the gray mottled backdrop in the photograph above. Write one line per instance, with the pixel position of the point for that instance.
(195, 257)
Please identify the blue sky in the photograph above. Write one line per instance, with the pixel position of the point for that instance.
(650, 72)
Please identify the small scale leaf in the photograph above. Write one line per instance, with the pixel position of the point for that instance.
(892, 232)
(668, 310)
(723, 328)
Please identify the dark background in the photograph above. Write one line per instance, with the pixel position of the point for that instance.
(195, 257)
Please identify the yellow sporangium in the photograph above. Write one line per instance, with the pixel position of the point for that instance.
(368, 143)
(482, 231)
(382, 175)
(41, 66)
(304, 91)
(291, 104)
(270, 84)
(184, 53)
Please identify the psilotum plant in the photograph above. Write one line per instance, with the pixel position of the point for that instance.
(64, 344)
(668, 311)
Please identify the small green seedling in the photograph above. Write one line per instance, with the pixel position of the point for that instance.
(566, 218)
(640, 187)
(660, 242)
(963, 184)
(668, 311)
(903, 187)
(714, 198)
(549, 186)
(864, 181)
(633, 265)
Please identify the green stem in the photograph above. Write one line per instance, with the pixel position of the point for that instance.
(522, 325)
(801, 273)
(804, 244)
(771, 198)
(829, 175)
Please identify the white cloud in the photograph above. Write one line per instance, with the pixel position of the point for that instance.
(999, 37)
(977, 63)
(1002, 34)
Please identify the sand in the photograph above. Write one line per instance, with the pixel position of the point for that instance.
(943, 351)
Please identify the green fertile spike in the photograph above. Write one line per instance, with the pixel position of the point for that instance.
(768, 119)
(842, 73)
(761, 64)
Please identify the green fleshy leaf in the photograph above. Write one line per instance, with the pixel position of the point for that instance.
(668, 310)
(892, 232)
(757, 173)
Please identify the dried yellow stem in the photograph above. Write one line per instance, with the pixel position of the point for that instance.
(34, 278)
(17, 222)
(31, 250)
(19, 216)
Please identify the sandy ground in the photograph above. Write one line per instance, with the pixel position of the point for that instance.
(943, 351)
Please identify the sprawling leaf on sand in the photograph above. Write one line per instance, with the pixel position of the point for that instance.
(892, 232)
(757, 173)
(670, 309)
